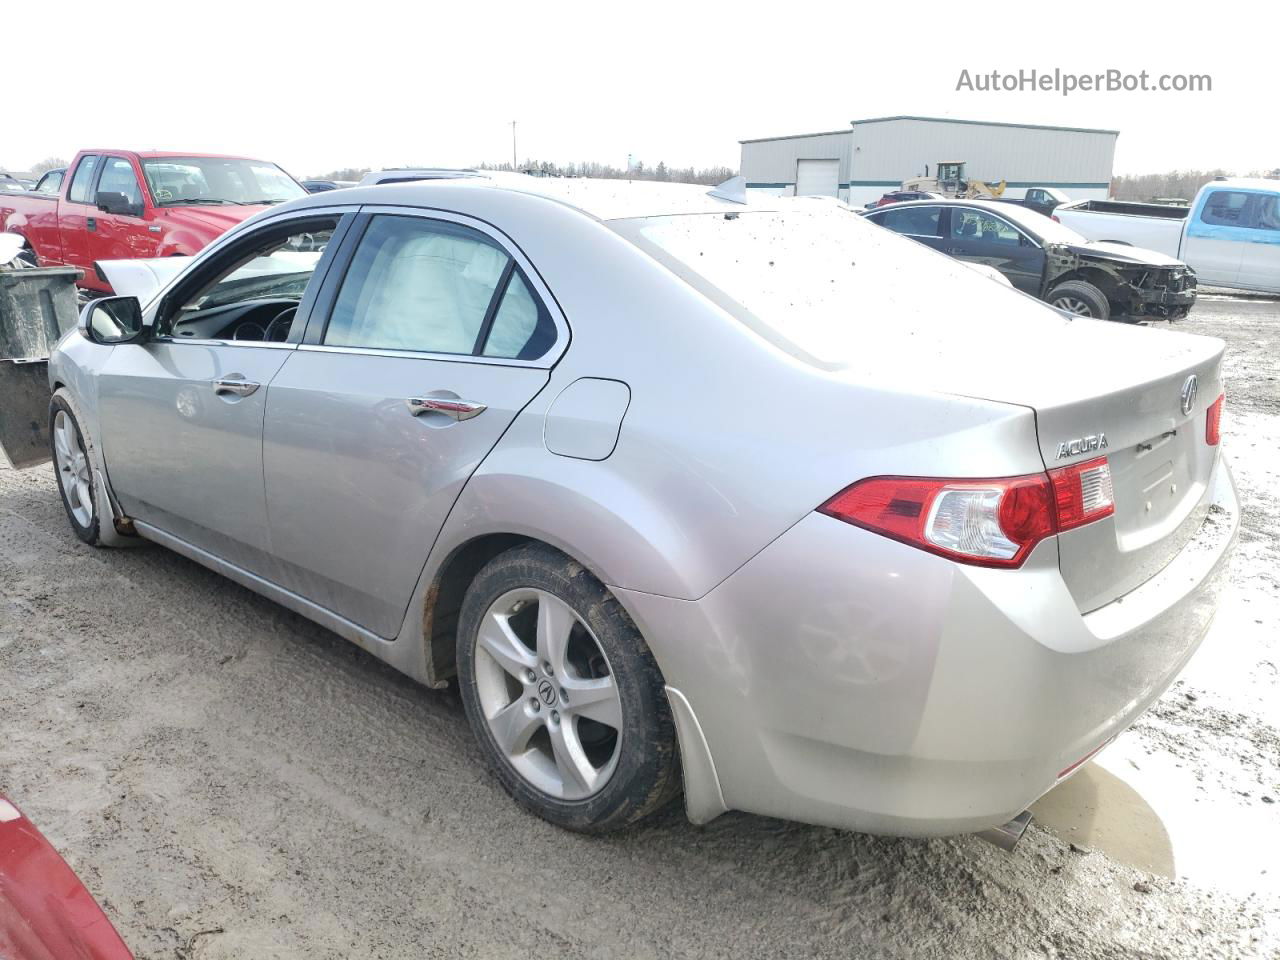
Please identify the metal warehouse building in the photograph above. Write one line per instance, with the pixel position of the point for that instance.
(874, 156)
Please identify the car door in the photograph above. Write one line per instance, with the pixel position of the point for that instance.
(181, 414)
(1213, 243)
(1260, 254)
(122, 236)
(980, 236)
(434, 338)
(77, 218)
(922, 223)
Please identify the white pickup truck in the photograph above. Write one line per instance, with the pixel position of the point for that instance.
(1230, 235)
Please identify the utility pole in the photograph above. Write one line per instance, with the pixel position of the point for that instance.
(513, 146)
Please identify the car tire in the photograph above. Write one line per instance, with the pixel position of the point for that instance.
(73, 466)
(26, 259)
(1080, 299)
(549, 731)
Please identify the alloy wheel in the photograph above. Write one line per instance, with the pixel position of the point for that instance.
(548, 694)
(74, 473)
(1073, 305)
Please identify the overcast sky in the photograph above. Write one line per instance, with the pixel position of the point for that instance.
(389, 84)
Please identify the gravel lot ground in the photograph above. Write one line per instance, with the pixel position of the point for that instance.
(234, 782)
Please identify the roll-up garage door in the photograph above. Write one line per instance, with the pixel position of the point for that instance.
(817, 178)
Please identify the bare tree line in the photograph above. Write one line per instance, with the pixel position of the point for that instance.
(1177, 183)
(587, 168)
(638, 171)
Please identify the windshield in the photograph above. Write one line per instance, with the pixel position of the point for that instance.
(178, 181)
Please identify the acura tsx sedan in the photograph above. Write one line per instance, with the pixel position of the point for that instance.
(753, 500)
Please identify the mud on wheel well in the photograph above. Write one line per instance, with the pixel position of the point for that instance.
(443, 602)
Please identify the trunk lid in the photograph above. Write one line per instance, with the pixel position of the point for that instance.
(1092, 383)
(1161, 467)
(1082, 378)
(871, 306)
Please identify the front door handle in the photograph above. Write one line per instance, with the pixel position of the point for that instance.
(236, 385)
(451, 407)
(91, 224)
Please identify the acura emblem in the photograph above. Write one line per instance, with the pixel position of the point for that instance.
(547, 692)
(1189, 390)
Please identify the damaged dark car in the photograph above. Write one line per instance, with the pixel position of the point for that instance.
(1101, 279)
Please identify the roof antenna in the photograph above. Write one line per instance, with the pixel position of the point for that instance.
(734, 190)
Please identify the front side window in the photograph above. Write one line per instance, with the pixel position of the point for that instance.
(83, 180)
(51, 182)
(914, 221)
(428, 286)
(1225, 208)
(118, 177)
(192, 181)
(978, 225)
(255, 288)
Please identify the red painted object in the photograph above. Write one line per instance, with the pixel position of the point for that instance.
(45, 911)
(125, 205)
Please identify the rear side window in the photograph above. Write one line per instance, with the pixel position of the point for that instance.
(430, 286)
(1225, 208)
(522, 328)
(914, 221)
(83, 180)
(51, 182)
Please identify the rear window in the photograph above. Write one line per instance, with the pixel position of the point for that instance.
(83, 179)
(815, 282)
(1225, 208)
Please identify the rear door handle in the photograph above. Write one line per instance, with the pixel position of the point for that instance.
(235, 385)
(452, 408)
(91, 224)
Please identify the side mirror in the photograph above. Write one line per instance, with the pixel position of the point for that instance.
(117, 203)
(114, 320)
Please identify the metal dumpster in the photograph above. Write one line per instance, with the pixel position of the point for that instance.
(36, 308)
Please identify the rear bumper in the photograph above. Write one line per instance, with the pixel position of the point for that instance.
(845, 679)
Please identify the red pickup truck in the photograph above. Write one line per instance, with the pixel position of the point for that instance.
(123, 205)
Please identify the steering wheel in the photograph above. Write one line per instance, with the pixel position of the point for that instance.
(278, 329)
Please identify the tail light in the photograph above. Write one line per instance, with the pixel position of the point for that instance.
(1082, 493)
(990, 523)
(1213, 422)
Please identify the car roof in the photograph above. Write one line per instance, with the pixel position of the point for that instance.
(601, 199)
(164, 154)
(1248, 183)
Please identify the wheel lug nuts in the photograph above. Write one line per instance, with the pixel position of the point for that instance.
(555, 716)
(535, 704)
(546, 668)
(530, 676)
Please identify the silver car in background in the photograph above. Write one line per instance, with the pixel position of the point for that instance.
(754, 499)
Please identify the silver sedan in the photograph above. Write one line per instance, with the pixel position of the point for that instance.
(753, 499)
